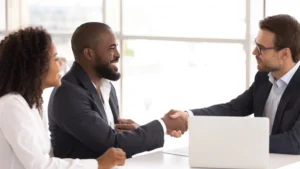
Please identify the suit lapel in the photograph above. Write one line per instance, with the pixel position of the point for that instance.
(291, 89)
(113, 102)
(113, 110)
(89, 86)
(263, 91)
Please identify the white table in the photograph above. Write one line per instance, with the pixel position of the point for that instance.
(160, 160)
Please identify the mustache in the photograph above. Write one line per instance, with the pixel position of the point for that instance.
(115, 60)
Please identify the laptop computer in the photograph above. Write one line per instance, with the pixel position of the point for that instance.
(228, 142)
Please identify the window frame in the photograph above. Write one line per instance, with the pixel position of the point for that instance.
(120, 35)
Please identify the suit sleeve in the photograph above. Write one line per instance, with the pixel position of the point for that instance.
(240, 106)
(73, 113)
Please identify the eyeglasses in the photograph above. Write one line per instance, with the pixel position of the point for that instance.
(261, 48)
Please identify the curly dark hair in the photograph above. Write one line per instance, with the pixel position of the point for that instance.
(24, 62)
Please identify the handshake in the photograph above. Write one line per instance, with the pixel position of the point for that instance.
(176, 123)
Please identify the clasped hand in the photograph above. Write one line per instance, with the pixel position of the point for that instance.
(176, 123)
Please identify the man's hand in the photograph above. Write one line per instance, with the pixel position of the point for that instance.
(125, 125)
(176, 125)
(175, 134)
(176, 113)
(111, 158)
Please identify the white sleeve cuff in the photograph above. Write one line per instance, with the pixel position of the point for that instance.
(163, 125)
(190, 113)
(89, 164)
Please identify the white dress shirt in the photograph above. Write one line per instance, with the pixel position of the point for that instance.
(276, 92)
(105, 88)
(24, 140)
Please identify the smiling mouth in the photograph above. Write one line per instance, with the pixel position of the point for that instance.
(114, 66)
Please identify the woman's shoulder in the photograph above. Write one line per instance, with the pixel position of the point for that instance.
(12, 99)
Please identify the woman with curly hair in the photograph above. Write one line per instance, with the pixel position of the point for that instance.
(28, 65)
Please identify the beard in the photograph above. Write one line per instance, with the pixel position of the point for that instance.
(262, 67)
(106, 71)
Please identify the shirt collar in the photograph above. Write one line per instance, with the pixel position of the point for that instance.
(103, 83)
(286, 78)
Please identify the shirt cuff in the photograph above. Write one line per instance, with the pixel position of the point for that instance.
(163, 125)
(191, 114)
(89, 164)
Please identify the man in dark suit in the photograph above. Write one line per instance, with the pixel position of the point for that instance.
(275, 92)
(84, 109)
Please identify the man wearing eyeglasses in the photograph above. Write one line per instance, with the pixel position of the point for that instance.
(275, 92)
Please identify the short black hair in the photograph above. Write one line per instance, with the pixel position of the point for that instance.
(87, 35)
(24, 60)
(287, 32)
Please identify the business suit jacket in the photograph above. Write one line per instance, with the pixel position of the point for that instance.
(285, 136)
(78, 122)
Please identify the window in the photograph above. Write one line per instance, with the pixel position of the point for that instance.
(63, 16)
(160, 75)
(256, 16)
(63, 47)
(290, 7)
(112, 14)
(2, 16)
(185, 18)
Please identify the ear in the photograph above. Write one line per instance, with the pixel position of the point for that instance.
(88, 53)
(284, 53)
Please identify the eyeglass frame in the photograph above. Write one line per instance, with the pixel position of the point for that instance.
(260, 48)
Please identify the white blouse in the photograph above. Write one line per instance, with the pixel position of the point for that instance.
(24, 139)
